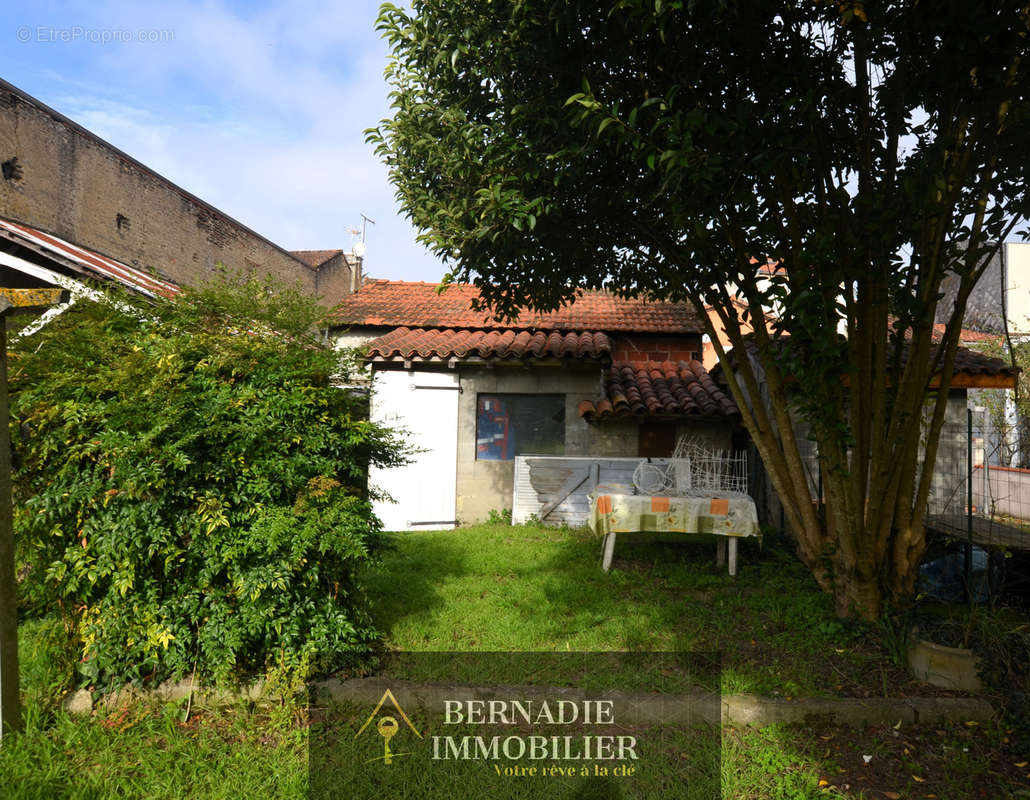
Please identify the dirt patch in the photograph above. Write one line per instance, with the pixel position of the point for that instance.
(899, 763)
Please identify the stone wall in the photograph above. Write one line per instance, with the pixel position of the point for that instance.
(64, 180)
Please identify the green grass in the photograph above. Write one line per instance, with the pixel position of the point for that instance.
(494, 587)
(145, 750)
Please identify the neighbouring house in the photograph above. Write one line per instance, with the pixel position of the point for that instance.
(1000, 301)
(62, 181)
(602, 377)
(973, 372)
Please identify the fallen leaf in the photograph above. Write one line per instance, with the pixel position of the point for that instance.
(1021, 764)
(917, 779)
(892, 795)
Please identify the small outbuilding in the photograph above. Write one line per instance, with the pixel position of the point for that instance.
(603, 378)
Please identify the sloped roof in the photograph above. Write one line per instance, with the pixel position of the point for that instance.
(972, 369)
(437, 344)
(315, 258)
(654, 388)
(83, 260)
(967, 335)
(384, 303)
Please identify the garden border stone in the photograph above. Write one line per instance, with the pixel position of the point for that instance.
(643, 707)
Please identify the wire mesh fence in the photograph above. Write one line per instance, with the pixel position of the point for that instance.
(695, 470)
(979, 493)
(978, 510)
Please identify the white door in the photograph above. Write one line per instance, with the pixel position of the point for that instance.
(426, 405)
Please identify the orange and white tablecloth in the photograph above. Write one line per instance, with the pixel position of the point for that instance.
(632, 513)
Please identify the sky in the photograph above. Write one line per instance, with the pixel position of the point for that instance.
(259, 108)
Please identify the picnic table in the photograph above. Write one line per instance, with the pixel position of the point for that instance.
(726, 518)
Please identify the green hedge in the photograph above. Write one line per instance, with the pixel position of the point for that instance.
(191, 490)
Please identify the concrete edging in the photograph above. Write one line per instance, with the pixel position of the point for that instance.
(643, 707)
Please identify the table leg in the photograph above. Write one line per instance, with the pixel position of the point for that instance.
(733, 555)
(720, 551)
(609, 551)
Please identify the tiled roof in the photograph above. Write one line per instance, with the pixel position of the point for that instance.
(436, 344)
(665, 388)
(970, 362)
(972, 369)
(420, 305)
(315, 258)
(966, 335)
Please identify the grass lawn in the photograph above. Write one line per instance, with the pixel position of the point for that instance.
(496, 587)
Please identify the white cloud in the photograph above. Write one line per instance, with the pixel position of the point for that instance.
(262, 114)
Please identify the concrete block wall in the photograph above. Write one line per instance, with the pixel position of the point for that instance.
(337, 277)
(487, 485)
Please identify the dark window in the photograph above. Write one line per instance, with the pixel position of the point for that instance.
(656, 439)
(509, 425)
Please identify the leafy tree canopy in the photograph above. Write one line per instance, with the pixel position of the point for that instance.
(871, 148)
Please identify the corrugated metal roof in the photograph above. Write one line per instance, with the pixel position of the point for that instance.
(92, 263)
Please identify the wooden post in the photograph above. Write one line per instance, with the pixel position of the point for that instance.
(10, 703)
(11, 301)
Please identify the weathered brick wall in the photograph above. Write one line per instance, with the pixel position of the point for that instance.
(335, 278)
(638, 348)
(59, 177)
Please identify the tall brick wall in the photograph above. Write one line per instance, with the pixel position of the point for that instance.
(59, 177)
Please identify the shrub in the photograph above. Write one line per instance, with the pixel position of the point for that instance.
(192, 486)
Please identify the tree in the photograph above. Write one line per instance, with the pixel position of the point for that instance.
(192, 488)
(657, 148)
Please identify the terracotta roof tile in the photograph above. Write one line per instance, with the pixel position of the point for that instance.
(969, 336)
(969, 365)
(665, 388)
(419, 305)
(422, 344)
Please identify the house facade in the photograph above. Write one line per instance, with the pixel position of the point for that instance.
(603, 377)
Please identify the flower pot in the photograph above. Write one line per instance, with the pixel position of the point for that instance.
(947, 667)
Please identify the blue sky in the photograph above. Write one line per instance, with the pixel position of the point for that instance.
(258, 108)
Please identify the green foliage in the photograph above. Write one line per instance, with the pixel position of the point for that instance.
(499, 517)
(192, 486)
(667, 149)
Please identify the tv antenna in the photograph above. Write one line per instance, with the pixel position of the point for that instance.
(359, 247)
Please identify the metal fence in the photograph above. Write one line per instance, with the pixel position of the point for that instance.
(979, 505)
(978, 492)
(978, 511)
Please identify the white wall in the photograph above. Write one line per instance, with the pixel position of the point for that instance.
(1017, 298)
(425, 406)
